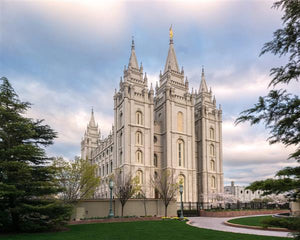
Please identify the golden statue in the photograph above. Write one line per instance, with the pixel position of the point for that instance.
(171, 32)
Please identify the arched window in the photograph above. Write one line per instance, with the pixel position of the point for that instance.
(120, 119)
(139, 175)
(213, 182)
(212, 165)
(156, 193)
(180, 122)
(138, 138)
(212, 150)
(212, 133)
(120, 160)
(155, 162)
(139, 156)
(180, 152)
(139, 118)
(120, 139)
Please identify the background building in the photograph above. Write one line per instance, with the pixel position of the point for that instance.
(172, 128)
(241, 194)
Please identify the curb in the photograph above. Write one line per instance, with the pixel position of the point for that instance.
(257, 227)
(114, 220)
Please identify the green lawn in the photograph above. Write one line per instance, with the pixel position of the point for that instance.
(250, 221)
(148, 230)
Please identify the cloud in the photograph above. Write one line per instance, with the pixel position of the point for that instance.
(67, 56)
(66, 111)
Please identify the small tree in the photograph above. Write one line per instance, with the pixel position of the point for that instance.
(142, 194)
(167, 187)
(77, 178)
(125, 188)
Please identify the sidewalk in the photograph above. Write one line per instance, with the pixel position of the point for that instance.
(218, 224)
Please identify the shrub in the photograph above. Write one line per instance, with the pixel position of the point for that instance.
(289, 223)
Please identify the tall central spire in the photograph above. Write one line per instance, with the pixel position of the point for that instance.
(132, 60)
(171, 59)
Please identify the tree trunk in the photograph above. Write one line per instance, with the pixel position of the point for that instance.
(166, 210)
(15, 220)
(145, 207)
(122, 210)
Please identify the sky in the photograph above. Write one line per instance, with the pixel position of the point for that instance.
(67, 56)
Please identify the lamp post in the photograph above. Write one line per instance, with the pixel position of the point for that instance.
(181, 203)
(111, 185)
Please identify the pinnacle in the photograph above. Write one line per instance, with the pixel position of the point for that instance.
(133, 60)
(203, 86)
(92, 120)
(171, 62)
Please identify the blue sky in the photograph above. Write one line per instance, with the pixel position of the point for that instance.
(67, 56)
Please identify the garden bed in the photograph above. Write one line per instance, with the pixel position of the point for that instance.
(115, 219)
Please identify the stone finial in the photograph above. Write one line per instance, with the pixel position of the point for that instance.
(141, 67)
(145, 78)
(132, 43)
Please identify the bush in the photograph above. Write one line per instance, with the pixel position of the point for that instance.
(289, 223)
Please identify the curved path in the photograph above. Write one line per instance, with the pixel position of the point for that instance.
(218, 224)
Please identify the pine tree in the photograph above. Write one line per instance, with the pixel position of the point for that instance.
(27, 181)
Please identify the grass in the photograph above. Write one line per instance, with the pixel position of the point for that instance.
(250, 221)
(148, 230)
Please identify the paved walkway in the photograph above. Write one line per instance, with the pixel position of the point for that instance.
(217, 224)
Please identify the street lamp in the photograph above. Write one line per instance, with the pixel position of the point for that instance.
(181, 205)
(111, 185)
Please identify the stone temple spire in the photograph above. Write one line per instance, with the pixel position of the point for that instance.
(203, 86)
(171, 61)
(132, 60)
(92, 120)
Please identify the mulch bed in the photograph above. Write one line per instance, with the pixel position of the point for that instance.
(108, 220)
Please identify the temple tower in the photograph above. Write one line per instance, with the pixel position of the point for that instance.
(208, 126)
(90, 139)
(133, 137)
(174, 114)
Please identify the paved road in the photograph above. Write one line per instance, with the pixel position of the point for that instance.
(217, 224)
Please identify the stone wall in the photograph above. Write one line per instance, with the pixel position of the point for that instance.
(204, 213)
(133, 207)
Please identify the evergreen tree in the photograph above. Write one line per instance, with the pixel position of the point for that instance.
(280, 110)
(27, 181)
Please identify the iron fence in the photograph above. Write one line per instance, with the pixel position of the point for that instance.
(193, 208)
